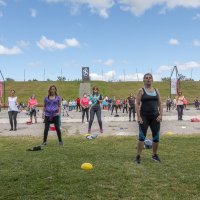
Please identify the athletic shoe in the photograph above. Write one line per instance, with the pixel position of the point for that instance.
(134, 120)
(43, 144)
(11, 129)
(129, 120)
(156, 158)
(89, 131)
(101, 130)
(137, 159)
(61, 143)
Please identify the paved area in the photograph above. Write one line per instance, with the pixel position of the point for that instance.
(113, 126)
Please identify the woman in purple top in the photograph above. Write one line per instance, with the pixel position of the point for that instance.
(51, 112)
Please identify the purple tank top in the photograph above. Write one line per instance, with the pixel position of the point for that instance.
(51, 106)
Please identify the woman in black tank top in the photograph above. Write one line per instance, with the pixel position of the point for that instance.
(149, 114)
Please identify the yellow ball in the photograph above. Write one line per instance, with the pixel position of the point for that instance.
(170, 133)
(86, 166)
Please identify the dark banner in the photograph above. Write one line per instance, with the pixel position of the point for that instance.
(85, 74)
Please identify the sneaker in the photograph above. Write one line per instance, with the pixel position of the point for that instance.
(11, 129)
(134, 120)
(61, 143)
(89, 131)
(137, 159)
(129, 120)
(43, 144)
(156, 158)
(101, 130)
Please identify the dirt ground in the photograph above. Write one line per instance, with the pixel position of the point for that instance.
(112, 126)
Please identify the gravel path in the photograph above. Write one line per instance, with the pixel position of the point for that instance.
(113, 126)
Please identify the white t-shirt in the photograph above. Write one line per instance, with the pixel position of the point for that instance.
(12, 104)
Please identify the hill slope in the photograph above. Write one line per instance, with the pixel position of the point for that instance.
(70, 90)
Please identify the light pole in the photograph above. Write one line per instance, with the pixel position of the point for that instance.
(4, 90)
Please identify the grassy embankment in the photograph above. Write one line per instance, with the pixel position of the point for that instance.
(70, 90)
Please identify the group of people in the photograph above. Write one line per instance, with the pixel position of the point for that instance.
(146, 104)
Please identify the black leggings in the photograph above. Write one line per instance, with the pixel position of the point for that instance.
(180, 111)
(154, 125)
(85, 110)
(132, 110)
(98, 114)
(56, 122)
(116, 107)
(13, 117)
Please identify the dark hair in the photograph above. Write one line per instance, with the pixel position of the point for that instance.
(95, 88)
(12, 91)
(148, 74)
(50, 90)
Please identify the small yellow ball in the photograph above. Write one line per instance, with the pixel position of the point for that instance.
(86, 166)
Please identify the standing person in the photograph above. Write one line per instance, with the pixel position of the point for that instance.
(32, 103)
(196, 103)
(179, 103)
(149, 112)
(51, 112)
(131, 105)
(95, 108)
(78, 104)
(13, 110)
(85, 107)
(174, 103)
(168, 103)
(64, 106)
(125, 105)
(114, 106)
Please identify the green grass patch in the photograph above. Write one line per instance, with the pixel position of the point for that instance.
(70, 89)
(55, 173)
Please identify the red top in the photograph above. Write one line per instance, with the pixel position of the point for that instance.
(78, 100)
(85, 102)
(32, 102)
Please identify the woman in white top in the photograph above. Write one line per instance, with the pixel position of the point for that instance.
(12, 110)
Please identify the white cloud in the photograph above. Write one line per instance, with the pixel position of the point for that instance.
(138, 7)
(51, 45)
(9, 51)
(73, 42)
(164, 68)
(188, 65)
(181, 67)
(173, 41)
(109, 62)
(196, 43)
(108, 76)
(1, 14)
(95, 6)
(33, 12)
(131, 77)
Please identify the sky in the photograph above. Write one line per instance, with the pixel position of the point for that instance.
(119, 40)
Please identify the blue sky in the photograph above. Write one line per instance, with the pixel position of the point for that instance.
(117, 39)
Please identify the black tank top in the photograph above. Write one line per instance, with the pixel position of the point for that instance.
(149, 103)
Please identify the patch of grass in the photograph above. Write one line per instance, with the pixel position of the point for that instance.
(55, 173)
(70, 90)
